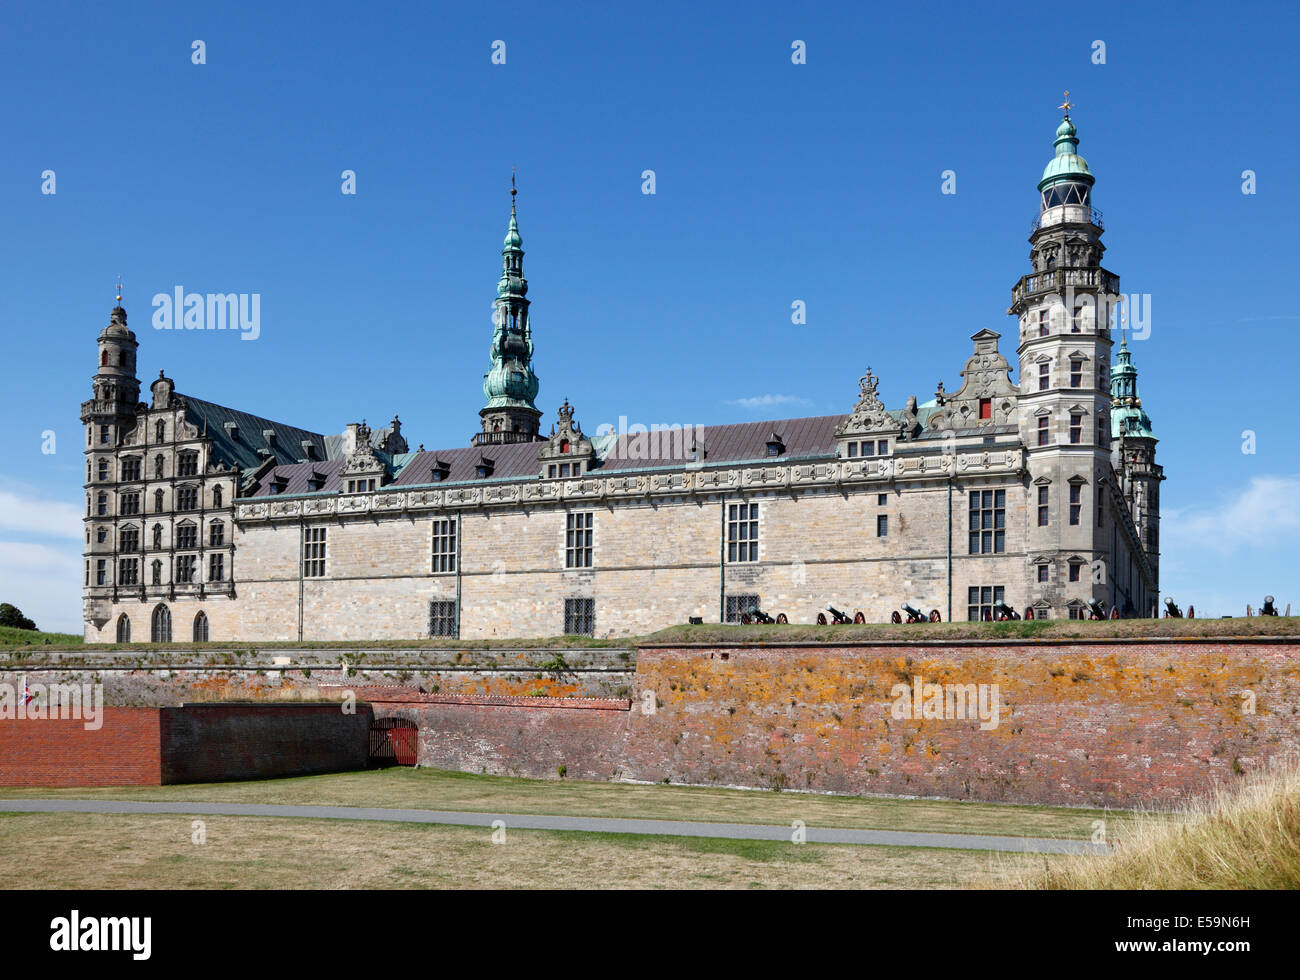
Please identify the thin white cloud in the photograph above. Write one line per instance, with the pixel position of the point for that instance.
(44, 581)
(1262, 516)
(769, 401)
(28, 513)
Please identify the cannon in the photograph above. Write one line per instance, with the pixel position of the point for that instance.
(915, 615)
(1269, 609)
(697, 620)
(756, 615)
(1004, 612)
(1171, 610)
(1097, 608)
(839, 617)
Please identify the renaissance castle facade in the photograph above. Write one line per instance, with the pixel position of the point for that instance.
(207, 523)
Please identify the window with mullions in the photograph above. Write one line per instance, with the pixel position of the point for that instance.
(129, 539)
(444, 550)
(216, 568)
(742, 532)
(131, 469)
(981, 601)
(185, 565)
(442, 618)
(187, 464)
(988, 522)
(1076, 503)
(187, 536)
(1043, 508)
(128, 571)
(577, 540)
(580, 617)
(187, 498)
(313, 552)
(216, 534)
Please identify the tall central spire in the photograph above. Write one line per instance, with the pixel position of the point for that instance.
(510, 385)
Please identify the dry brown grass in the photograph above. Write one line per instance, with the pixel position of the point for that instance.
(98, 851)
(1242, 837)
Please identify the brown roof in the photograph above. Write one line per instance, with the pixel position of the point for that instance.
(740, 441)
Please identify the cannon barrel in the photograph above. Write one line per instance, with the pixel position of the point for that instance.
(1269, 609)
(910, 610)
(1098, 608)
(834, 612)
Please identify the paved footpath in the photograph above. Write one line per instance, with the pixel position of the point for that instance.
(597, 825)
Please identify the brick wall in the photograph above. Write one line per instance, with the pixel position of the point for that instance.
(124, 751)
(516, 736)
(206, 742)
(1124, 724)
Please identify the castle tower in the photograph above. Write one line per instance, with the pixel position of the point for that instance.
(1063, 307)
(510, 386)
(115, 388)
(1133, 447)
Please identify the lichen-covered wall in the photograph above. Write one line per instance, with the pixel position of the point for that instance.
(1124, 724)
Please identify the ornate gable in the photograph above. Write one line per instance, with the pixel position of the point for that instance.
(566, 445)
(869, 414)
(987, 396)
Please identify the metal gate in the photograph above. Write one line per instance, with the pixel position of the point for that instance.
(393, 742)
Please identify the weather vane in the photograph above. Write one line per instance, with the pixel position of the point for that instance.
(1067, 105)
(119, 289)
(513, 192)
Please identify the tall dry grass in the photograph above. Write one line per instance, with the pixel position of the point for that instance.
(1243, 836)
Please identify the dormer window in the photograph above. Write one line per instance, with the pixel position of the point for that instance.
(441, 470)
(484, 468)
(775, 447)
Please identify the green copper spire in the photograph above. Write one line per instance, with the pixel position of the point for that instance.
(1067, 166)
(1127, 417)
(510, 385)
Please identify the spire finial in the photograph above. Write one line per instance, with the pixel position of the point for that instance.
(119, 290)
(1067, 105)
(513, 191)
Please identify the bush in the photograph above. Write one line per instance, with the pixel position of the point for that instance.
(11, 615)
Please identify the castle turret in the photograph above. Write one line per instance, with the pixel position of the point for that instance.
(1134, 454)
(510, 386)
(1063, 308)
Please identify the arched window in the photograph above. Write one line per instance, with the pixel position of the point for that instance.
(158, 467)
(157, 571)
(161, 627)
(103, 358)
(216, 496)
(201, 627)
(161, 430)
(123, 629)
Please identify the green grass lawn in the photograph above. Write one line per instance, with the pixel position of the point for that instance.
(13, 637)
(431, 789)
(111, 851)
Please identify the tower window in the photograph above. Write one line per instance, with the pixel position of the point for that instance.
(131, 470)
(1043, 329)
(1076, 429)
(130, 504)
(1044, 510)
(101, 572)
(129, 539)
(1074, 571)
(1043, 434)
(216, 534)
(1076, 322)
(1076, 495)
(103, 435)
(103, 471)
(103, 358)
(1043, 572)
(1076, 374)
(128, 571)
(1044, 376)
(101, 504)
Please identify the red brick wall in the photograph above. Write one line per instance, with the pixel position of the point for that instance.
(516, 736)
(124, 751)
(206, 742)
(1123, 724)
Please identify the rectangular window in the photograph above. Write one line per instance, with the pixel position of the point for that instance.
(1042, 323)
(442, 618)
(444, 549)
(988, 521)
(882, 499)
(216, 534)
(982, 600)
(1076, 496)
(187, 536)
(882, 447)
(1076, 612)
(216, 568)
(1042, 572)
(129, 539)
(130, 470)
(986, 408)
(739, 605)
(187, 498)
(742, 532)
(853, 450)
(882, 525)
(1043, 511)
(580, 617)
(1074, 572)
(1076, 429)
(130, 503)
(1043, 434)
(1044, 376)
(1076, 374)
(313, 552)
(128, 571)
(101, 572)
(188, 464)
(577, 540)
(184, 568)
(103, 471)
(1101, 432)
(1076, 323)
(103, 435)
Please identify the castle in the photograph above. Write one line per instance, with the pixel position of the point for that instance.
(207, 523)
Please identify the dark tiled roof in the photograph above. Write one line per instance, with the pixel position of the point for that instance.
(510, 461)
(242, 451)
(334, 444)
(297, 478)
(725, 443)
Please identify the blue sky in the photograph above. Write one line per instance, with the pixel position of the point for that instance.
(775, 182)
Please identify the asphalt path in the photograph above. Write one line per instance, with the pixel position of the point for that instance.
(594, 825)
